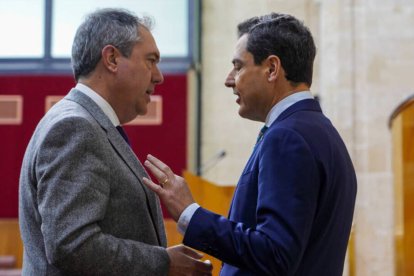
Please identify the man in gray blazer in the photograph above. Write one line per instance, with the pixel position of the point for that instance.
(83, 209)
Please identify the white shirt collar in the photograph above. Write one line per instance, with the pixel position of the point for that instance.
(101, 102)
(284, 104)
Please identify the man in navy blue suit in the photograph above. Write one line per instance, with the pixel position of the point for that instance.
(293, 206)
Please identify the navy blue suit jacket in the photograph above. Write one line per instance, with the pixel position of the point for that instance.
(293, 206)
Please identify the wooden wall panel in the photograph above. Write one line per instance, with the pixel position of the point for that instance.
(10, 241)
(165, 136)
(403, 160)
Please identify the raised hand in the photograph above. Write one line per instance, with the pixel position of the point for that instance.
(172, 189)
(185, 261)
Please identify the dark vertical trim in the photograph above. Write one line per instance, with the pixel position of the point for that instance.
(48, 31)
(197, 57)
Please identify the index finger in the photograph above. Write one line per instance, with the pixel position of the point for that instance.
(160, 165)
(155, 171)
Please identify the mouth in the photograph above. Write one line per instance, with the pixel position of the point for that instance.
(149, 92)
(238, 97)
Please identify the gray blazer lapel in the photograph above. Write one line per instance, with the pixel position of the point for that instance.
(123, 149)
(113, 136)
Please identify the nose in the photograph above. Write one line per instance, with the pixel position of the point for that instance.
(157, 76)
(230, 82)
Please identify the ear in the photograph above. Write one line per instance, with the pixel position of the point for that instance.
(110, 55)
(274, 67)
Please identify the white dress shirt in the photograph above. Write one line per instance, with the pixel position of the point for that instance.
(274, 113)
(101, 102)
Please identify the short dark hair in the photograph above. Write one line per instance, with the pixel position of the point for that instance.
(117, 27)
(284, 36)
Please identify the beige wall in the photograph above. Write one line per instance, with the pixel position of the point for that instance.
(364, 68)
(221, 124)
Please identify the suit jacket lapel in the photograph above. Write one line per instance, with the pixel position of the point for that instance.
(123, 149)
(309, 104)
(113, 136)
(126, 153)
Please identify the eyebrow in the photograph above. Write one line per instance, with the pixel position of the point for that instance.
(236, 60)
(156, 55)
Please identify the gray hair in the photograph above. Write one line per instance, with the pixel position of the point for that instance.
(117, 27)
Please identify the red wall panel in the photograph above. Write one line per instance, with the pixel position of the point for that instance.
(167, 141)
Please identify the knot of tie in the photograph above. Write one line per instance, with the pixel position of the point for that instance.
(123, 134)
(261, 133)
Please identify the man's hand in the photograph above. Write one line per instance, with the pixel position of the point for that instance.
(172, 189)
(185, 261)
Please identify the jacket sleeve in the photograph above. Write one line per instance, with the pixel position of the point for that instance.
(288, 186)
(73, 192)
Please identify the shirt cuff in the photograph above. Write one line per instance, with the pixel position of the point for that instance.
(185, 217)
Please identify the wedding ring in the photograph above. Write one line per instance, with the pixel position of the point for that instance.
(164, 182)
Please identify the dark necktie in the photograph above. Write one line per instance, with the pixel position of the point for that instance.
(123, 134)
(261, 133)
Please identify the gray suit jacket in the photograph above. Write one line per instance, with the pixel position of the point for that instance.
(83, 209)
